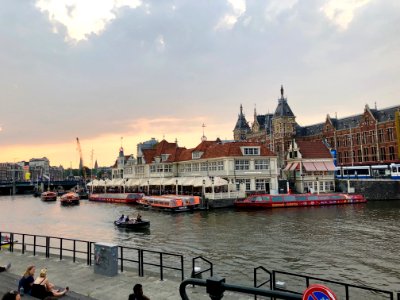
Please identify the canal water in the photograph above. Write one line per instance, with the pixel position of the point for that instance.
(358, 244)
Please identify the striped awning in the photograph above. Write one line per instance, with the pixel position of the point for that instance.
(287, 168)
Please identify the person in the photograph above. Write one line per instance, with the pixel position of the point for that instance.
(11, 295)
(138, 293)
(139, 218)
(27, 280)
(127, 219)
(121, 218)
(43, 288)
(5, 267)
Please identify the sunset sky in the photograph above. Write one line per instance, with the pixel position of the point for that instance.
(105, 69)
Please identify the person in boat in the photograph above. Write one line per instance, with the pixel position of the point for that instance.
(138, 218)
(121, 218)
(127, 219)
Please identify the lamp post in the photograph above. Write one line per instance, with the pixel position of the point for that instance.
(176, 186)
(317, 185)
(148, 187)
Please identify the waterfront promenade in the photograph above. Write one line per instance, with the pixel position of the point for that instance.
(82, 280)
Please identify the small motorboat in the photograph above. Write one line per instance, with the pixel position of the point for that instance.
(133, 224)
(5, 242)
(48, 196)
(70, 198)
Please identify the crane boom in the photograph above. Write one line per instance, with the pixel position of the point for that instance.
(81, 166)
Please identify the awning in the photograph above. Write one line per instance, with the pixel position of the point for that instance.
(287, 167)
(320, 166)
(309, 166)
(329, 165)
(294, 166)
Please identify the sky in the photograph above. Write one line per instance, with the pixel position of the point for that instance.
(120, 72)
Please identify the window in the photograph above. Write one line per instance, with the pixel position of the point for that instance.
(181, 168)
(245, 182)
(251, 151)
(160, 168)
(381, 137)
(391, 153)
(164, 157)
(188, 168)
(383, 153)
(358, 138)
(212, 166)
(139, 169)
(390, 134)
(242, 164)
(373, 154)
(152, 168)
(204, 166)
(195, 167)
(261, 164)
(261, 184)
(168, 168)
(220, 165)
(196, 154)
(359, 155)
(366, 154)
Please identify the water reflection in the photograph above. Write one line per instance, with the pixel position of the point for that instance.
(357, 243)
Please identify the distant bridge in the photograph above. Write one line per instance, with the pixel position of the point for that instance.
(27, 187)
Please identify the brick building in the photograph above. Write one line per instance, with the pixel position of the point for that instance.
(372, 137)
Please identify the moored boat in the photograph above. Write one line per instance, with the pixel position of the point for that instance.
(48, 196)
(261, 201)
(70, 198)
(133, 224)
(130, 198)
(174, 203)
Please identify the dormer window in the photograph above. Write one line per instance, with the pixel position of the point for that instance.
(164, 157)
(196, 154)
(251, 151)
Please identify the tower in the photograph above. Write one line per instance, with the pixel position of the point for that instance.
(241, 127)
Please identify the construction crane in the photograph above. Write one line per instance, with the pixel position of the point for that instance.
(81, 166)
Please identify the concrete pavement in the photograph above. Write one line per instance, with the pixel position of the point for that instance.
(82, 279)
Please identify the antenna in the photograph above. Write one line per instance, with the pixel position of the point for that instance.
(203, 138)
(121, 140)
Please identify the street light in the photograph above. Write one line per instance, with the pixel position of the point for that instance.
(317, 185)
(148, 187)
(176, 186)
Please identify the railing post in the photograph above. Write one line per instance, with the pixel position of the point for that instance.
(34, 245)
(61, 248)
(12, 242)
(122, 258)
(182, 268)
(89, 253)
(161, 267)
(347, 291)
(73, 253)
(47, 247)
(141, 263)
(23, 243)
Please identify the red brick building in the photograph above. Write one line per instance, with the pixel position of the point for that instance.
(372, 137)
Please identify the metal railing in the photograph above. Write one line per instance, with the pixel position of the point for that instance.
(342, 287)
(216, 286)
(198, 274)
(84, 250)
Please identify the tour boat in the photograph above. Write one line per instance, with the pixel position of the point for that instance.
(70, 198)
(289, 200)
(130, 198)
(174, 203)
(48, 196)
(133, 224)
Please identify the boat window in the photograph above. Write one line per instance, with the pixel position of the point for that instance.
(265, 198)
(312, 197)
(290, 198)
(301, 198)
(277, 198)
(259, 198)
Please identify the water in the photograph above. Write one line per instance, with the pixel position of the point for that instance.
(358, 244)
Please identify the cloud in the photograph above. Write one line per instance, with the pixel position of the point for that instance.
(229, 20)
(341, 12)
(277, 7)
(160, 43)
(82, 18)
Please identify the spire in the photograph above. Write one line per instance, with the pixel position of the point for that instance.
(241, 109)
(282, 90)
(241, 123)
(283, 108)
(203, 138)
(255, 111)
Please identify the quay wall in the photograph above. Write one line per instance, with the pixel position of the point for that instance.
(372, 189)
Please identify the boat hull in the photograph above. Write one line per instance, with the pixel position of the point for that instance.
(69, 199)
(297, 200)
(48, 196)
(130, 198)
(133, 225)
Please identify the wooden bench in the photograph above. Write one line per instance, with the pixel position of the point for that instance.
(9, 282)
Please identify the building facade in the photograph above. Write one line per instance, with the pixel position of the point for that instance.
(372, 137)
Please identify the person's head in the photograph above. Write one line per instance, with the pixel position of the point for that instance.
(43, 273)
(138, 289)
(12, 295)
(30, 271)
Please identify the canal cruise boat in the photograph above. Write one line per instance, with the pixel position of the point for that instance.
(70, 198)
(172, 203)
(130, 198)
(261, 201)
(48, 196)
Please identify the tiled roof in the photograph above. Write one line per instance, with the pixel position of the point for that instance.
(312, 149)
(283, 109)
(265, 122)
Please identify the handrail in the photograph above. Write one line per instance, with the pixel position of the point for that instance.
(270, 280)
(216, 287)
(86, 248)
(346, 286)
(198, 274)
